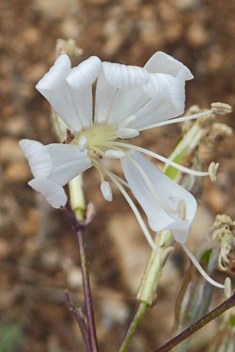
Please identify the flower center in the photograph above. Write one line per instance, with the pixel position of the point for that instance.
(99, 138)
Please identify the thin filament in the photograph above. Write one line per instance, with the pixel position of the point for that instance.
(135, 211)
(199, 268)
(161, 158)
(179, 119)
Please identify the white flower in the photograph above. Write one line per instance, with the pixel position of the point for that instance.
(128, 99)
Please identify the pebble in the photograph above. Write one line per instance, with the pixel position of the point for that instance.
(18, 171)
(10, 150)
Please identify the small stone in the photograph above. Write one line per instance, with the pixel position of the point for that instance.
(10, 150)
(51, 259)
(18, 171)
(74, 277)
(4, 248)
(197, 35)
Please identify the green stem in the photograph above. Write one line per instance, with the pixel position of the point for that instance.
(149, 283)
(133, 326)
(199, 324)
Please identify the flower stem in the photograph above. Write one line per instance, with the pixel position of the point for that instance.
(79, 228)
(199, 324)
(149, 283)
(133, 326)
(78, 315)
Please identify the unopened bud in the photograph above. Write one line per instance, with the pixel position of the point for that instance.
(221, 108)
(227, 287)
(213, 168)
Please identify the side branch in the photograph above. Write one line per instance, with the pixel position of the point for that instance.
(199, 324)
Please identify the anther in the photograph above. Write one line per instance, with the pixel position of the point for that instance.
(116, 154)
(127, 121)
(83, 143)
(212, 170)
(182, 210)
(106, 190)
(127, 133)
(221, 108)
(227, 287)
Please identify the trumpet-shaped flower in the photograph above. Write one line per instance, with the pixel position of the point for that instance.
(128, 99)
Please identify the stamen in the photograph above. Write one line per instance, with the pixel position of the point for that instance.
(199, 268)
(227, 287)
(106, 190)
(182, 210)
(213, 168)
(178, 119)
(135, 211)
(98, 151)
(127, 122)
(83, 143)
(127, 133)
(98, 168)
(221, 108)
(116, 154)
(161, 158)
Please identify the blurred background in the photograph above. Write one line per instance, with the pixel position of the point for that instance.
(38, 252)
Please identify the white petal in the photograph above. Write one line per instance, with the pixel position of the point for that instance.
(85, 73)
(170, 193)
(163, 63)
(62, 153)
(158, 85)
(64, 173)
(105, 94)
(155, 111)
(55, 89)
(125, 77)
(54, 194)
(106, 190)
(125, 103)
(177, 91)
(68, 162)
(39, 159)
(163, 86)
(83, 105)
(57, 72)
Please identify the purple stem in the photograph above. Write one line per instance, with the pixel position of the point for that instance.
(79, 228)
(198, 325)
(80, 320)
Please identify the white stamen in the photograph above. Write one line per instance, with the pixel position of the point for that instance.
(199, 268)
(116, 154)
(227, 287)
(161, 158)
(135, 211)
(213, 168)
(83, 143)
(127, 133)
(179, 119)
(221, 108)
(106, 190)
(127, 121)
